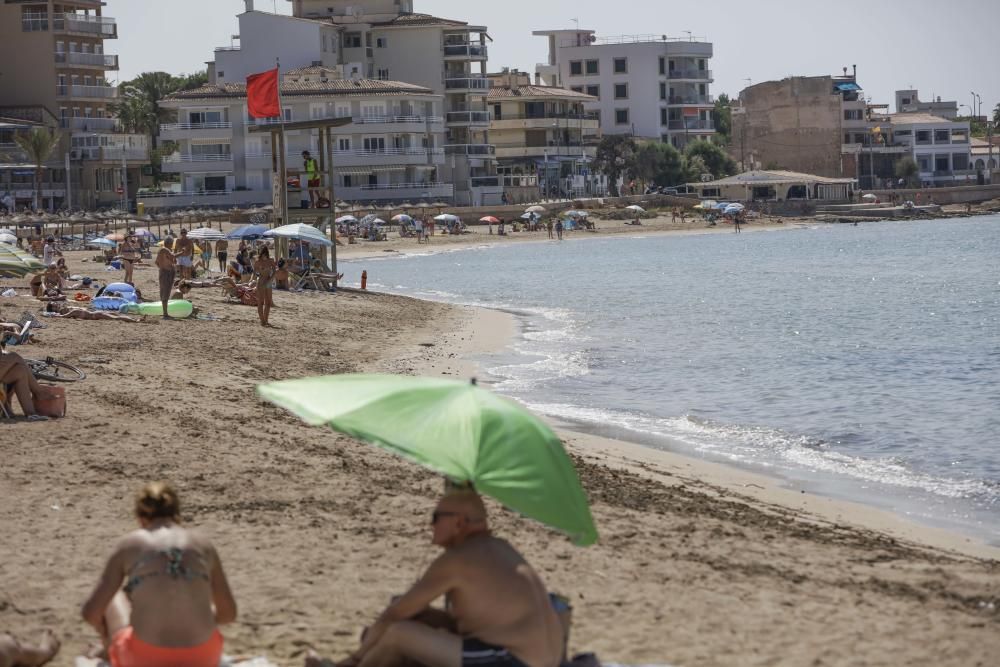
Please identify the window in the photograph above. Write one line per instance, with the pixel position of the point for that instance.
(34, 18)
(621, 116)
(317, 111)
(374, 144)
(853, 114)
(348, 181)
(383, 74)
(381, 42)
(942, 136)
(344, 144)
(663, 117)
(575, 68)
(577, 89)
(324, 43)
(663, 66)
(343, 111)
(593, 67)
(352, 40)
(621, 65)
(594, 91)
(202, 117)
(621, 91)
(923, 136)
(847, 138)
(663, 91)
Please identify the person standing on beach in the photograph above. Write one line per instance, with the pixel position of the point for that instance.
(311, 167)
(548, 227)
(499, 613)
(166, 262)
(130, 255)
(559, 229)
(265, 269)
(184, 253)
(737, 219)
(222, 253)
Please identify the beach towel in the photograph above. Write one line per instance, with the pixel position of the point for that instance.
(226, 662)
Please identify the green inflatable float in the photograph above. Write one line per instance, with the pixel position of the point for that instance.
(180, 308)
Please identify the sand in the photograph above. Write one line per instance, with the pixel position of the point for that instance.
(697, 564)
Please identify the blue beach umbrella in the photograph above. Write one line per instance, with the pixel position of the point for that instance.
(248, 232)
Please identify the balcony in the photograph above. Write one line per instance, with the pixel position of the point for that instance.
(468, 118)
(471, 83)
(89, 124)
(548, 121)
(466, 51)
(690, 74)
(475, 150)
(396, 191)
(176, 131)
(89, 25)
(101, 61)
(689, 125)
(691, 100)
(214, 198)
(387, 157)
(179, 162)
(396, 120)
(88, 92)
(508, 151)
(117, 154)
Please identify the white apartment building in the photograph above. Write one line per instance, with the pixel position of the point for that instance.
(940, 147)
(908, 101)
(384, 40)
(393, 150)
(649, 86)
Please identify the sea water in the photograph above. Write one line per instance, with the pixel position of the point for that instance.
(857, 361)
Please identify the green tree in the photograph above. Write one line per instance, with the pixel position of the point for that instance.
(996, 115)
(659, 163)
(616, 157)
(694, 167)
(716, 160)
(908, 170)
(39, 144)
(723, 119)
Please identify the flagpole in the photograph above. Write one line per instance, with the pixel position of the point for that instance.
(282, 162)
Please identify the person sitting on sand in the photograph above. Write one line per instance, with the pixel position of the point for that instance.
(19, 654)
(15, 374)
(498, 608)
(163, 592)
(66, 311)
(51, 279)
(62, 268)
(281, 275)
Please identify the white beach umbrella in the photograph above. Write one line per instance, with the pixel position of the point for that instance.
(535, 209)
(446, 217)
(345, 219)
(636, 208)
(8, 238)
(301, 232)
(206, 234)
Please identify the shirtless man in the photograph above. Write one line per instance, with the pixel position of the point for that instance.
(18, 654)
(222, 253)
(167, 264)
(184, 252)
(497, 603)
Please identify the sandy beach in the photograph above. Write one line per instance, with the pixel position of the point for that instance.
(698, 564)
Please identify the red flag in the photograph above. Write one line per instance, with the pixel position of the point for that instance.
(262, 95)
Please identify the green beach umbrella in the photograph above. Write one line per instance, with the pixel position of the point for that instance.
(16, 263)
(457, 429)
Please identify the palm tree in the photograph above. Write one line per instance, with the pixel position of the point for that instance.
(39, 144)
(142, 96)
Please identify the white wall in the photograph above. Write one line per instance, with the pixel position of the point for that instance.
(264, 38)
(415, 55)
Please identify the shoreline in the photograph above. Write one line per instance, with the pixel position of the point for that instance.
(490, 330)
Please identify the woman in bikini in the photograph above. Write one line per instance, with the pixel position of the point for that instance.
(265, 269)
(163, 592)
(130, 255)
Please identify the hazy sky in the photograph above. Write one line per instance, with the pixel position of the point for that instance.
(946, 49)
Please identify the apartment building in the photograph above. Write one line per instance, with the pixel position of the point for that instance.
(393, 150)
(544, 139)
(941, 147)
(385, 40)
(649, 86)
(908, 101)
(53, 60)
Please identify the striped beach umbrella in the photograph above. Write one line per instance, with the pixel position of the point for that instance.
(15, 263)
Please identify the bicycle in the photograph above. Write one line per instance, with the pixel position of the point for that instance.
(54, 370)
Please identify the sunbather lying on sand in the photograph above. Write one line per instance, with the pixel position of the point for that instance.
(163, 592)
(498, 609)
(66, 311)
(16, 376)
(19, 654)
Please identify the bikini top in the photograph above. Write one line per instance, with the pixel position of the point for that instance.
(175, 569)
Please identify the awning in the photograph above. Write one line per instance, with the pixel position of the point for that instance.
(847, 87)
(364, 171)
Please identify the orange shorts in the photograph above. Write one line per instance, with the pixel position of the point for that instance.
(127, 650)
